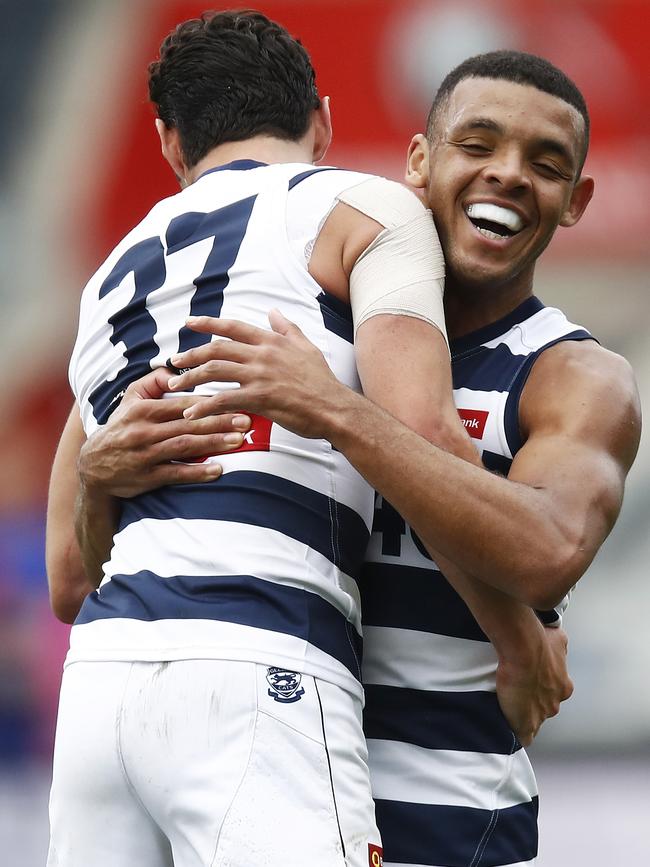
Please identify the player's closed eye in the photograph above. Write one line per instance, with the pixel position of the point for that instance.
(475, 148)
(551, 170)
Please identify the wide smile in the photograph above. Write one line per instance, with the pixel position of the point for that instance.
(493, 222)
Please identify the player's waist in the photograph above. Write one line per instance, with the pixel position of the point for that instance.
(247, 619)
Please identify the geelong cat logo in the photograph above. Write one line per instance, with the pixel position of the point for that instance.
(285, 685)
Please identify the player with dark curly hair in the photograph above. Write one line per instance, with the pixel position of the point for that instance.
(211, 702)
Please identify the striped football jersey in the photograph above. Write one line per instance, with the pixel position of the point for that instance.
(452, 784)
(263, 564)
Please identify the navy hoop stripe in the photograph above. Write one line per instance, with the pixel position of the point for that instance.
(263, 500)
(438, 720)
(457, 836)
(409, 597)
(242, 599)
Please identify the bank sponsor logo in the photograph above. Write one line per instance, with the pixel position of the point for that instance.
(474, 421)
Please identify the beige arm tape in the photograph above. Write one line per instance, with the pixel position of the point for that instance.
(402, 272)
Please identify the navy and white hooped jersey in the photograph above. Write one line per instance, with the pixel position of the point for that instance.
(452, 785)
(261, 565)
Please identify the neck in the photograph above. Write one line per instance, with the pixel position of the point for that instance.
(262, 149)
(469, 308)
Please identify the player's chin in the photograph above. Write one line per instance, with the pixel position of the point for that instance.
(484, 274)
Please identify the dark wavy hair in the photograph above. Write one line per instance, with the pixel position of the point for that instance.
(520, 68)
(228, 76)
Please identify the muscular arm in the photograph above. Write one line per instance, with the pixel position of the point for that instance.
(406, 370)
(67, 580)
(538, 531)
(534, 533)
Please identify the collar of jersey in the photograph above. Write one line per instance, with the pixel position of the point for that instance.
(234, 166)
(525, 310)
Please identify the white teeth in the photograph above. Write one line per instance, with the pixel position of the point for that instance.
(488, 234)
(495, 214)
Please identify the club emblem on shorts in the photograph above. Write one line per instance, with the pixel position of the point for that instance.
(285, 685)
(375, 855)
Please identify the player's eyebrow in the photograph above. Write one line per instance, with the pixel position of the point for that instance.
(480, 123)
(547, 145)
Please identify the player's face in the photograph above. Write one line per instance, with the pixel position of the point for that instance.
(500, 178)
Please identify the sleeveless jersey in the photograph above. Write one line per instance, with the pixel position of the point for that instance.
(263, 564)
(452, 784)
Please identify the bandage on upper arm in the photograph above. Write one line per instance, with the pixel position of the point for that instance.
(402, 272)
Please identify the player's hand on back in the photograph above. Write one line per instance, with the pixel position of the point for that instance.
(282, 375)
(147, 438)
(531, 690)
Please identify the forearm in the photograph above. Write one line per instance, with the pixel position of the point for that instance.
(515, 542)
(531, 677)
(420, 396)
(512, 627)
(95, 519)
(67, 581)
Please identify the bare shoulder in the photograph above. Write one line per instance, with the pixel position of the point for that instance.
(585, 365)
(354, 229)
(583, 389)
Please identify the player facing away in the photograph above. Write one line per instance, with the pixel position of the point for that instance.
(555, 418)
(210, 707)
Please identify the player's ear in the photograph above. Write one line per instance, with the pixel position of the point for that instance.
(170, 144)
(322, 127)
(417, 162)
(580, 198)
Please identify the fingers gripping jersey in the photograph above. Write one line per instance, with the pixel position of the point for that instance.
(262, 565)
(452, 784)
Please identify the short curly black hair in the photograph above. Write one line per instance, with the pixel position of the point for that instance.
(520, 68)
(228, 76)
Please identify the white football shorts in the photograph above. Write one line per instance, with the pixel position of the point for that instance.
(208, 763)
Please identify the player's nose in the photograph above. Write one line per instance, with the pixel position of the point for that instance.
(507, 168)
